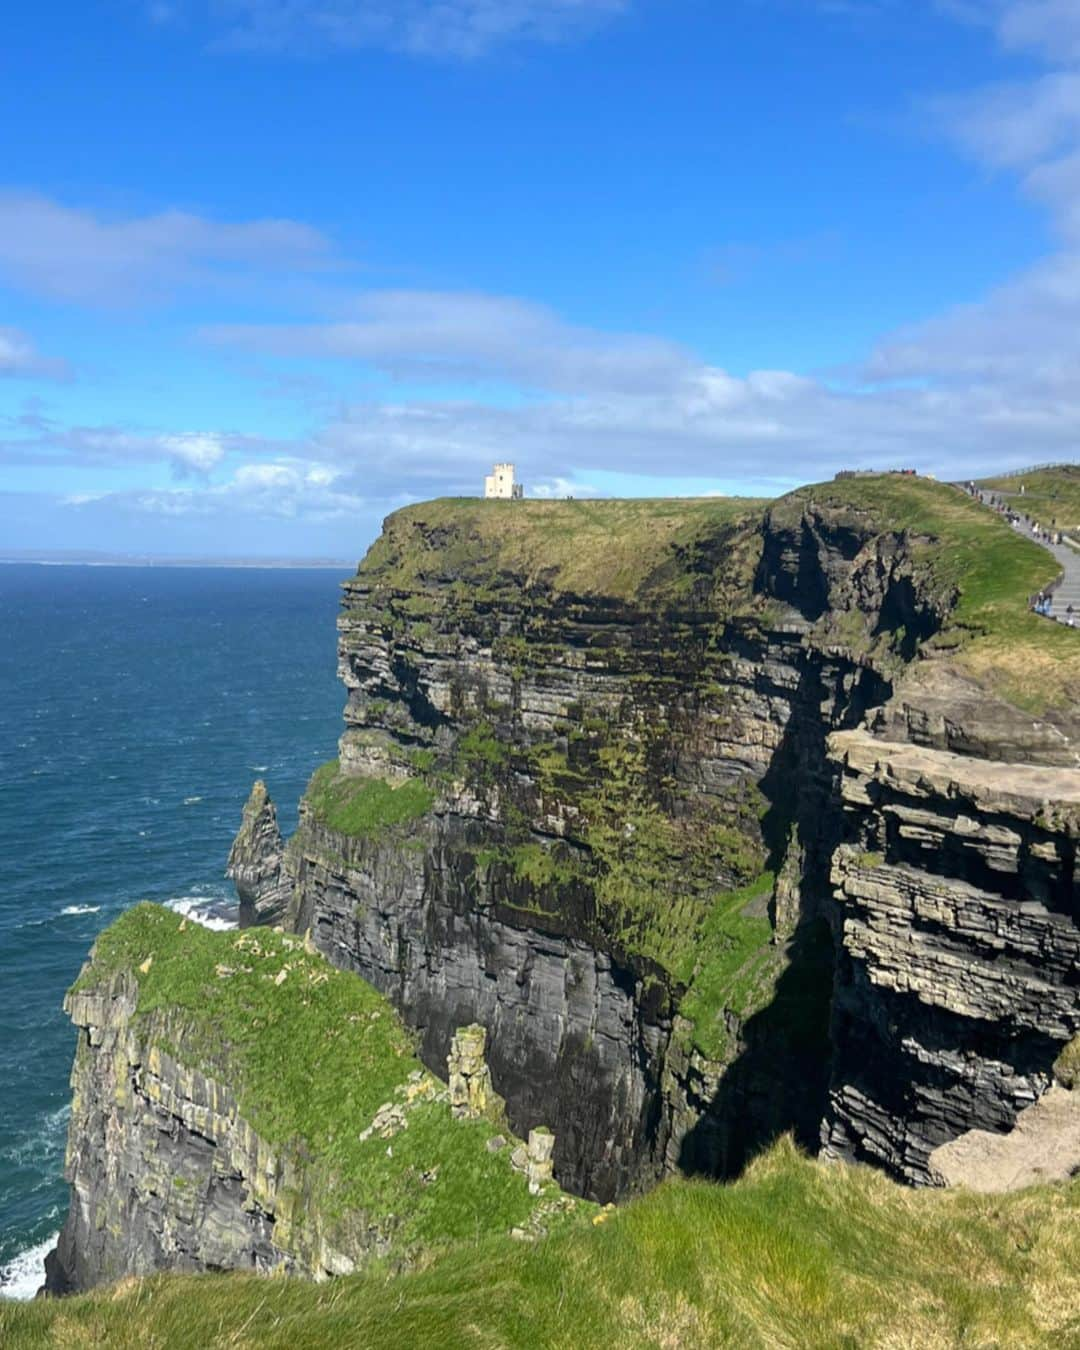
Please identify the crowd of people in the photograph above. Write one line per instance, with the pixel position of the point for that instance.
(1043, 603)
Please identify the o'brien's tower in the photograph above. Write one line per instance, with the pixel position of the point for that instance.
(500, 484)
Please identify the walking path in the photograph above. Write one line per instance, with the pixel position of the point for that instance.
(1068, 558)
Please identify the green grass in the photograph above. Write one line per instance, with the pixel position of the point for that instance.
(729, 966)
(660, 554)
(365, 807)
(1049, 494)
(478, 750)
(960, 547)
(616, 548)
(797, 1254)
(310, 1060)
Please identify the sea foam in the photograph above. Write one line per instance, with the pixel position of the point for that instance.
(208, 910)
(24, 1274)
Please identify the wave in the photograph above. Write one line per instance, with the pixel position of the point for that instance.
(258, 768)
(80, 909)
(24, 1274)
(44, 1139)
(208, 910)
(190, 801)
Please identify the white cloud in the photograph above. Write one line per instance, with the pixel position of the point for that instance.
(1014, 356)
(449, 335)
(34, 439)
(459, 29)
(281, 490)
(71, 254)
(20, 358)
(1048, 27)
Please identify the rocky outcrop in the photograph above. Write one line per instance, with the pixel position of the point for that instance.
(957, 920)
(165, 1172)
(1043, 1146)
(255, 862)
(240, 1105)
(471, 1095)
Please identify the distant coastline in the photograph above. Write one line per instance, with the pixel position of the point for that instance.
(60, 558)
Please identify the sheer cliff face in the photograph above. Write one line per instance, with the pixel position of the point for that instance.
(607, 764)
(608, 758)
(165, 1172)
(955, 906)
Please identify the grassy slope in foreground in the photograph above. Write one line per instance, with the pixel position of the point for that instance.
(960, 545)
(313, 1058)
(607, 547)
(797, 1254)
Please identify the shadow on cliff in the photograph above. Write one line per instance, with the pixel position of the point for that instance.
(779, 1081)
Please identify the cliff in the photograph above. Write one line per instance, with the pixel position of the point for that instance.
(590, 794)
(720, 821)
(237, 1104)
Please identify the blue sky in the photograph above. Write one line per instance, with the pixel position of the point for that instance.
(271, 268)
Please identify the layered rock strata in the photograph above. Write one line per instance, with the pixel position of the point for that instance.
(957, 922)
(255, 862)
(707, 708)
(560, 731)
(165, 1172)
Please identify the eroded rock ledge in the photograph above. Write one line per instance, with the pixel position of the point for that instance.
(957, 918)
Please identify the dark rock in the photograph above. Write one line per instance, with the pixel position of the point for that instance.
(255, 862)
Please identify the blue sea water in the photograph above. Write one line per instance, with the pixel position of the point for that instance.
(137, 705)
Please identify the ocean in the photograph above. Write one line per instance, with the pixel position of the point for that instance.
(137, 705)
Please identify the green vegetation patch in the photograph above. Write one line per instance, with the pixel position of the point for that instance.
(730, 967)
(795, 1254)
(615, 548)
(311, 1054)
(1051, 494)
(479, 752)
(365, 807)
(960, 546)
(659, 873)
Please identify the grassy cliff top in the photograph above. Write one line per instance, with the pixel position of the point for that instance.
(957, 542)
(604, 547)
(311, 1053)
(1049, 494)
(796, 1253)
(961, 546)
(656, 551)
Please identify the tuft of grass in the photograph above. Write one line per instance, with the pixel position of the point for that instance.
(310, 1060)
(479, 752)
(795, 1254)
(365, 807)
(1067, 1065)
